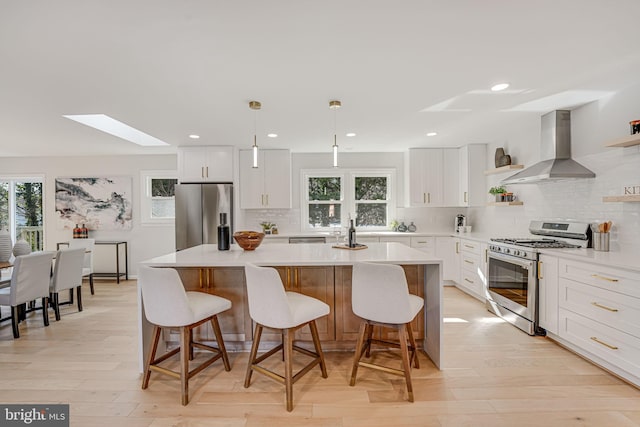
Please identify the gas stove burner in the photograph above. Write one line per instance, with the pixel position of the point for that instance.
(537, 243)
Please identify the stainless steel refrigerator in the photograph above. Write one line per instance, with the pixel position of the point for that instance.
(198, 209)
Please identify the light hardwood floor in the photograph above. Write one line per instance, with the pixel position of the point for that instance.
(494, 375)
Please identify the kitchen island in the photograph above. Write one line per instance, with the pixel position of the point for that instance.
(318, 270)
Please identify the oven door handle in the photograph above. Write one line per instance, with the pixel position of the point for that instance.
(524, 263)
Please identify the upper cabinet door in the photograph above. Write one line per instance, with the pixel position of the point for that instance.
(451, 177)
(425, 177)
(205, 164)
(473, 190)
(269, 185)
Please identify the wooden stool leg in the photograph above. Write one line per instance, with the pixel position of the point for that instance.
(79, 292)
(14, 322)
(369, 335)
(221, 347)
(358, 353)
(316, 344)
(191, 356)
(288, 368)
(406, 363)
(252, 355)
(414, 349)
(151, 356)
(185, 344)
(91, 282)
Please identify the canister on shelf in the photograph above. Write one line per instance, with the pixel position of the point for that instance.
(635, 126)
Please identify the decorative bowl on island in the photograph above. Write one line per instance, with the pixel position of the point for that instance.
(248, 240)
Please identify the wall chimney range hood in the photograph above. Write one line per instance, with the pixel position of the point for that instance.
(555, 150)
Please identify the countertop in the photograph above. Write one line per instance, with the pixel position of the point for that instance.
(615, 259)
(284, 254)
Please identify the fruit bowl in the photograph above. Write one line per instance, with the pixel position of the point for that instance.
(248, 240)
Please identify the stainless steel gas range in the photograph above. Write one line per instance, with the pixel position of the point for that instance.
(512, 272)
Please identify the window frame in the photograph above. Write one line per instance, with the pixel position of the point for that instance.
(348, 202)
(146, 176)
(12, 180)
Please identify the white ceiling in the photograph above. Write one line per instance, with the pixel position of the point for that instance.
(401, 69)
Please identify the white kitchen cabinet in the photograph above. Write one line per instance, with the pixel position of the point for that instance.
(425, 244)
(471, 275)
(447, 176)
(548, 293)
(598, 312)
(269, 185)
(426, 177)
(448, 249)
(472, 188)
(205, 164)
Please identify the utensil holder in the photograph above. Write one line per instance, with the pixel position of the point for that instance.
(601, 242)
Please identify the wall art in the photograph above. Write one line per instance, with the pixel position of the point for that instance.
(98, 203)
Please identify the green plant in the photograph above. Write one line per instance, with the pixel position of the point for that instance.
(266, 225)
(497, 190)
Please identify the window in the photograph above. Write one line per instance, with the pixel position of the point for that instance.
(21, 210)
(158, 197)
(330, 198)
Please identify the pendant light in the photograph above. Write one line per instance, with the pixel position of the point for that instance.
(255, 106)
(334, 105)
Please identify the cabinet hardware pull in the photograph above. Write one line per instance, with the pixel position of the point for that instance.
(470, 281)
(201, 171)
(262, 199)
(207, 170)
(615, 310)
(422, 241)
(428, 197)
(608, 279)
(486, 255)
(469, 246)
(540, 270)
(267, 197)
(457, 247)
(468, 262)
(612, 347)
(465, 197)
(424, 197)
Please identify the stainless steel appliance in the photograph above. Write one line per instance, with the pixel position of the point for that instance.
(198, 209)
(460, 223)
(512, 271)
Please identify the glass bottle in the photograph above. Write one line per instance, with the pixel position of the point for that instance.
(402, 227)
(223, 233)
(352, 235)
(412, 227)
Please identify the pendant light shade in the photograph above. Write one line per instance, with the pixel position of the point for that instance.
(255, 106)
(334, 105)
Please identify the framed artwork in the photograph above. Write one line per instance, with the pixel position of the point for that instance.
(98, 203)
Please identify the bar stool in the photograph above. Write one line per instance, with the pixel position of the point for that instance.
(380, 297)
(168, 305)
(271, 307)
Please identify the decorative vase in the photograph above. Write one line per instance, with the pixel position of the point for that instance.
(498, 156)
(5, 246)
(22, 247)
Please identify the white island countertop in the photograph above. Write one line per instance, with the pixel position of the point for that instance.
(284, 254)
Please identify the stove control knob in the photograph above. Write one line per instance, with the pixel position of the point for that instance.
(507, 250)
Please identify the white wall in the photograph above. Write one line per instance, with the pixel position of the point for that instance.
(144, 241)
(592, 126)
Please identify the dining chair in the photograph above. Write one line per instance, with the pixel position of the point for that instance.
(271, 307)
(29, 281)
(380, 297)
(87, 267)
(67, 274)
(167, 305)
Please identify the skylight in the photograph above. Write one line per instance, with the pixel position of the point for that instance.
(116, 128)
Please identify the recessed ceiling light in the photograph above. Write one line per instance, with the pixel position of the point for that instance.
(432, 133)
(194, 136)
(350, 134)
(272, 135)
(500, 86)
(116, 128)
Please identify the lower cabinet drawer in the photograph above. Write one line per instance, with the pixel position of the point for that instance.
(470, 246)
(470, 262)
(610, 308)
(472, 283)
(613, 346)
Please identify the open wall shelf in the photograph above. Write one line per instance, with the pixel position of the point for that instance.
(514, 203)
(503, 169)
(627, 141)
(628, 198)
